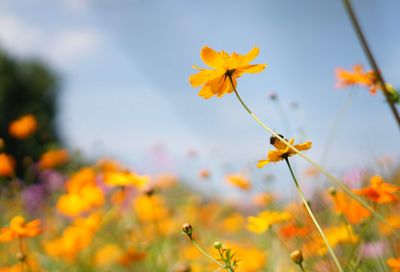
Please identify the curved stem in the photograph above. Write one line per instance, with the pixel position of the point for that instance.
(321, 232)
(206, 254)
(330, 177)
(371, 59)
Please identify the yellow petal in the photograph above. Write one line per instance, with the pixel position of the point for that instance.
(211, 58)
(262, 163)
(253, 53)
(303, 146)
(275, 155)
(203, 77)
(253, 68)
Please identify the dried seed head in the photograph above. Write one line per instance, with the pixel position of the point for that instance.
(188, 230)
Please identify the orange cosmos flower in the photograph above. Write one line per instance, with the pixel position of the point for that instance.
(350, 208)
(6, 165)
(282, 151)
(20, 228)
(394, 264)
(239, 181)
(291, 230)
(358, 77)
(215, 81)
(53, 158)
(379, 191)
(23, 127)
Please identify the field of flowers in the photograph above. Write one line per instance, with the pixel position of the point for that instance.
(60, 212)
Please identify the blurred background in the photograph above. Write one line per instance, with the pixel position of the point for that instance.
(110, 78)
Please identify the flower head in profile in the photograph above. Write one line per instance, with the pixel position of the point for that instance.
(357, 77)
(20, 228)
(23, 127)
(265, 219)
(282, 150)
(379, 191)
(53, 158)
(240, 181)
(223, 68)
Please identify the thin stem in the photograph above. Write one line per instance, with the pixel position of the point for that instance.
(302, 268)
(313, 163)
(371, 58)
(321, 232)
(206, 254)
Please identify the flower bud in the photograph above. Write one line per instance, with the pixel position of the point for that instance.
(20, 257)
(332, 191)
(217, 245)
(297, 257)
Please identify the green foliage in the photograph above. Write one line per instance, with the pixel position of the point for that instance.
(27, 87)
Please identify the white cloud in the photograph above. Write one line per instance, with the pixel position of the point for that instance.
(77, 5)
(62, 48)
(18, 36)
(71, 45)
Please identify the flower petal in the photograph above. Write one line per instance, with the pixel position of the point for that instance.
(253, 68)
(303, 146)
(203, 77)
(253, 53)
(211, 58)
(262, 163)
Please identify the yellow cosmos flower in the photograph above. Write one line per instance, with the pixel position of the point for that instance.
(125, 178)
(216, 81)
(264, 220)
(239, 181)
(282, 151)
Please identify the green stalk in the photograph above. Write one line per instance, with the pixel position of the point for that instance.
(206, 254)
(321, 232)
(371, 59)
(313, 163)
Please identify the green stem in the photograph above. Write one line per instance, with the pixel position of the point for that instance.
(206, 254)
(313, 163)
(371, 58)
(302, 268)
(321, 232)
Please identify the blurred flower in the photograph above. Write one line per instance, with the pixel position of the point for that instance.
(53, 158)
(150, 208)
(379, 191)
(124, 178)
(273, 96)
(262, 199)
(33, 198)
(239, 181)
(293, 231)
(165, 180)
(392, 222)
(82, 195)
(282, 151)
(233, 223)
(107, 255)
(74, 238)
(19, 228)
(336, 235)
(204, 173)
(6, 165)
(373, 249)
(251, 259)
(23, 127)
(350, 208)
(357, 77)
(394, 264)
(264, 220)
(216, 81)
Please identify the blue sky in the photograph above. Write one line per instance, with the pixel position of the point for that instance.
(125, 66)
